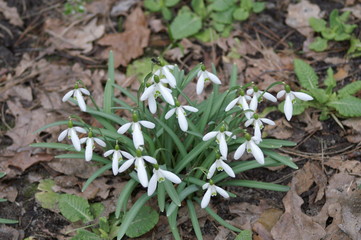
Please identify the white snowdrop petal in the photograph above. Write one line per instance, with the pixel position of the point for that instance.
(268, 121)
(138, 138)
(62, 135)
(68, 95)
(100, 142)
(152, 104)
(170, 113)
(257, 152)
(302, 96)
(89, 149)
(250, 91)
(182, 120)
(190, 108)
(80, 100)
(270, 97)
(147, 124)
(231, 104)
(200, 84)
(257, 130)
(152, 186)
(222, 192)
(170, 176)
(223, 148)
(126, 155)
(74, 139)
(150, 159)
(147, 92)
(249, 122)
(124, 128)
(211, 170)
(85, 91)
(108, 153)
(213, 78)
(205, 186)
(115, 163)
(126, 165)
(288, 107)
(240, 151)
(79, 129)
(281, 93)
(209, 135)
(166, 94)
(206, 198)
(169, 76)
(254, 103)
(142, 173)
(227, 169)
(83, 140)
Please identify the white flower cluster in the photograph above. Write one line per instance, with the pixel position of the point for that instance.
(160, 85)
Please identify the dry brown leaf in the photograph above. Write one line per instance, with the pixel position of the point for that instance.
(298, 15)
(294, 224)
(8, 192)
(11, 13)
(122, 6)
(311, 120)
(71, 37)
(266, 222)
(350, 166)
(222, 233)
(73, 167)
(10, 233)
(24, 160)
(99, 7)
(281, 130)
(341, 73)
(130, 43)
(354, 123)
(355, 10)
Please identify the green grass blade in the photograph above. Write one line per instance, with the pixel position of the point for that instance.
(54, 146)
(182, 195)
(130, 215)
(194, 219)
(218, 218)
(112, 117)
(81, 156)
(172, 193)
(95, 175)
(126, 93)
(54, 124)
(161, 196)
(8, 221)
(276, 143)
(233, 79)
(255, 184)
(283, 159)
(109, 89)
(172, 220)
(124, 196)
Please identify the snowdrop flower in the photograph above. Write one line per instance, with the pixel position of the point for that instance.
(220, 165)
(154, 90)
(257, 123)
(90, 145)
(203, 75)
(117, 157)
(290, 100)
(139, 166)
(221, 139)
(137, 134)
(251, 146)
(71, 133)
(165, 72)
(160, 175)
(77, 95)
(212, 191)
(181, 114)
(241, 101)
(256, 94)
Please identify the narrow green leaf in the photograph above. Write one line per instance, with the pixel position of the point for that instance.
(194, 219)
(95, 157)
(8, 221)
(75, 208)
(131, 214)
(255, 184)
(124, 196)
(110, 116)
(95, 175)
(244, 235)
(276, 143)
(172, 193)
(305, 74)
(283, 159)
(161, 196)
(127, 93)
(172, 220)
(143, 222)
(2, 174)
(182, 195)
(348, 106)
(54, 146)
(350, 89)
(109, 89)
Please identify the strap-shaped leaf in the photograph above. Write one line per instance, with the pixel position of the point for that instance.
(255, 184)
(305, 74)
(348, 106)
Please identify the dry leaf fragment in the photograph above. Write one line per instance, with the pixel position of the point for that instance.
(298, 15)
(130, 43)
(11, 13)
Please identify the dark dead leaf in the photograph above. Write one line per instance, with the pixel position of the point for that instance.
(11, 14)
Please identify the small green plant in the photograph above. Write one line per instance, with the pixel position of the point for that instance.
(204, 19)
(74, 6)
(340, 103)
(336, 29)
(3, 220)
(175, 147)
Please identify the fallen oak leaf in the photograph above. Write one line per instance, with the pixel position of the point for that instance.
(11, 14)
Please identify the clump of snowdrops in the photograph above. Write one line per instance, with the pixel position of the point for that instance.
(177, 149)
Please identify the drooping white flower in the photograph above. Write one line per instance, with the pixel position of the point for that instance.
(154, 90)
(137, 134)
(221, 139)
(257, 123)
(203, 75)
(117, 157)
(76, 93)
(181, 115)
(89, 146)
(212, 191)
(290, 100)
(251, 146)
(160, 175)
(241, 101)
(139, 166)
(71, 133)
(165, 73)
(256, 94)
(220, 165)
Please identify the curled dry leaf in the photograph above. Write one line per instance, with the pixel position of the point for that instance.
(298, 15)
(11, 13)
(130, 43)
